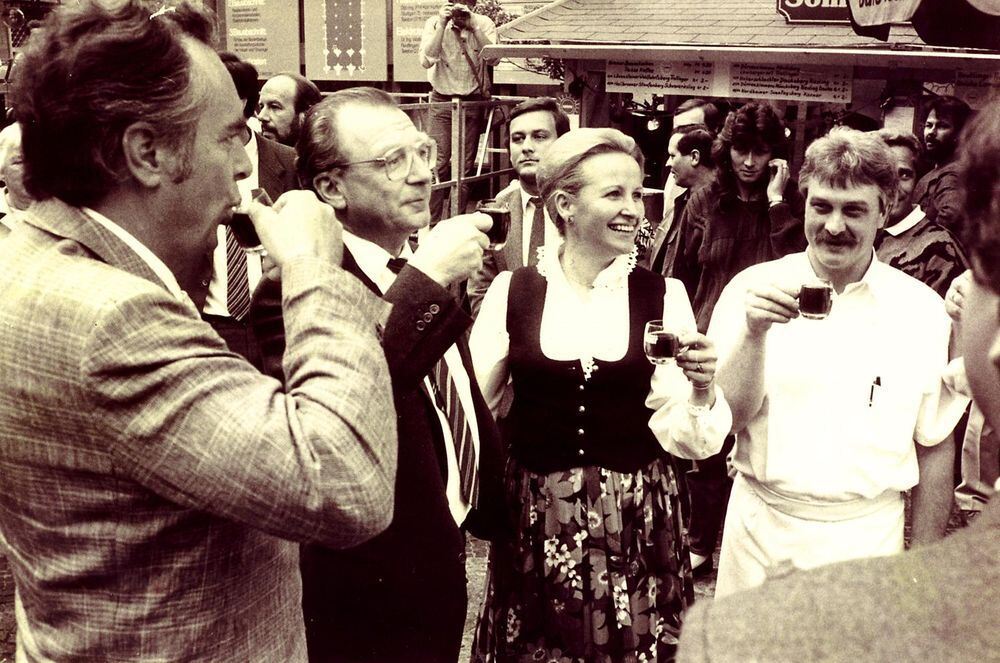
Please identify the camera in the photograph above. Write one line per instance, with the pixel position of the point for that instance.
(460, 14)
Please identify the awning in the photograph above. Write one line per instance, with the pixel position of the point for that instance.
(922, 58)
(958, 23)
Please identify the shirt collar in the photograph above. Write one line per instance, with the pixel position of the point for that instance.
(525, 200)
(252, 181)
(873, 279)
(158, 266)
(373, 260)
(906, 223)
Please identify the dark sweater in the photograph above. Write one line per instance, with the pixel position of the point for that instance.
(722, 235)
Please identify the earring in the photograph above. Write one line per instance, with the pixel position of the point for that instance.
(569, 220)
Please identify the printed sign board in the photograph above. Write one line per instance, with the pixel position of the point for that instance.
(681, 78)
(882, 12)
(346, 40)
(408, 18)
(815, 11)
(722, 79)
(265, 33)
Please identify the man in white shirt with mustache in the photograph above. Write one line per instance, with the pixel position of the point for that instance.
(834, 418)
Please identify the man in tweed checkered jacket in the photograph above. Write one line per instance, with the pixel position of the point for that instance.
(154, 483)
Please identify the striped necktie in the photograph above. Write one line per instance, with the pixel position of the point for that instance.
(461, 435)
(537, 237)
(237, 284)
(446, 397)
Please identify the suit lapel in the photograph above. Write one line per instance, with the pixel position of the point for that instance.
(270, 172)
(351, 266)
(61, 220)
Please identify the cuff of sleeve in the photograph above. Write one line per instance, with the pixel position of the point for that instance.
(698, 411)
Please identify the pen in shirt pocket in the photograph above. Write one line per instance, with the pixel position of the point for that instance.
(876, 385)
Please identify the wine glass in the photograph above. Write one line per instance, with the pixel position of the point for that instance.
(660, 345)
(243, 228)
(500, 213)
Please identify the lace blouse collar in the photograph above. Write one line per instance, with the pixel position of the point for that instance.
(612, 277)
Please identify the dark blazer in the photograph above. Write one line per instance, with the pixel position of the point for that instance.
(402, 595)
(276, 167)
(276, 175)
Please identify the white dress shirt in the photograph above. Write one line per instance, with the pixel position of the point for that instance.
(596, 326)
(215, 303)
(373, 261)
(846, 396)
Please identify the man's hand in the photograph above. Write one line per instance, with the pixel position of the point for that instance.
(298, 225)
(954, 299)
(769, 304)
(778, 174)
(453, 249)
(444, 15)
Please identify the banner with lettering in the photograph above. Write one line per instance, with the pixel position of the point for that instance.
(265, 33)
(882, 12)
(723, 79)
(408, 18)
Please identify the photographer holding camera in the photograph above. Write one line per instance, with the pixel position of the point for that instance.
(451, 52)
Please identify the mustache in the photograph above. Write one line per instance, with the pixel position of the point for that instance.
(845, 238)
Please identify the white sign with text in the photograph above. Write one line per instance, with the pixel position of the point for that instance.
(723, 79)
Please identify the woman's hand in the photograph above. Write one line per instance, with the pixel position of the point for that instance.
(698, 360)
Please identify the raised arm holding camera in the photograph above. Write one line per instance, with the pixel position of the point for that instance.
(451, 52)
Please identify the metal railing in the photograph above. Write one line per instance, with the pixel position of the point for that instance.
(491, 162)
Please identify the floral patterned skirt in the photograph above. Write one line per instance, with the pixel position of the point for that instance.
(597, 572)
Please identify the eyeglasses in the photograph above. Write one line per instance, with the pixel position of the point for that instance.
(399, 162)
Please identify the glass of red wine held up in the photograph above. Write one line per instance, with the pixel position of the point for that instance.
(500, 213)
(661, 345)
(243, 228)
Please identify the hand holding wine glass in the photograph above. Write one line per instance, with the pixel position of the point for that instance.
(242, 226)
(697, 359)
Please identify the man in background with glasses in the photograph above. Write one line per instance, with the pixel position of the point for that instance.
(401, 596)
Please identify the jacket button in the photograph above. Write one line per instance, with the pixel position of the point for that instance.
(428, 317)
(435, 309)
(421, 325)
(580, 388)
(579, 452)
(580, 431)
(582, 409)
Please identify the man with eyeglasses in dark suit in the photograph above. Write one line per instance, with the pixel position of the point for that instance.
(401, 597)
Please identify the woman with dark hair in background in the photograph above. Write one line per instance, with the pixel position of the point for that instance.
(598, 569)
(752, 213)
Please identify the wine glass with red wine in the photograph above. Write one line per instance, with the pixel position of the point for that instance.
(243, 228)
